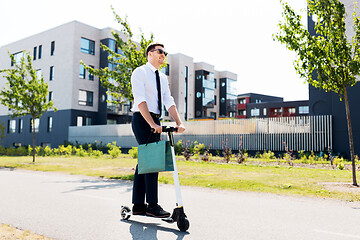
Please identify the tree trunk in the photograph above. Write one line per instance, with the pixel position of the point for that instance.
(33, 127)
(351, 140)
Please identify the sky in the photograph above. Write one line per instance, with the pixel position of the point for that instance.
(232, 35)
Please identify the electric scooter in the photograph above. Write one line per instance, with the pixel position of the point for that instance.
(178, 214)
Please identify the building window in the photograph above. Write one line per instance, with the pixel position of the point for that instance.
(12, 126)
(166, 70)
(91, 76)
(50, 96)
(40, 51)
(52, 48)
(242, 101)
(88, 121)
(49, 125)
(87, 46)
(79, 121)
(39, 74)
(21, 125)
(17, 57)
(85, 98)
(82, 71)
(264, 111)
(111, 121)
(34, 53)
(242, 112)
(304, 110)
(36, 124)
(255, 112)
(51, 73)
(291, 110)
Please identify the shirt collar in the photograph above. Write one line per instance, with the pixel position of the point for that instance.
(151, 66)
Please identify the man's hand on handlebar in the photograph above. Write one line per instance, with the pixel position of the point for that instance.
(180, 128)
(156, 128)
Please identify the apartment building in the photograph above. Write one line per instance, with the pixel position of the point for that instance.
(258, 105)
(198, 89)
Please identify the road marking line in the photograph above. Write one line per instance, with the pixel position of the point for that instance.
(92, 196)
(338, 234)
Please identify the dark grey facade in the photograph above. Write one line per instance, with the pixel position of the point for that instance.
(328, 103)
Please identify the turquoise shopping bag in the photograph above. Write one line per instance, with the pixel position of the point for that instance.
(155, 157)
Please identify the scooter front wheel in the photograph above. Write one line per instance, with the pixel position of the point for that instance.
(183, 223)
(125, 212)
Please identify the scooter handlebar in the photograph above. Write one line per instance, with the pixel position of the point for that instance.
(169, 129)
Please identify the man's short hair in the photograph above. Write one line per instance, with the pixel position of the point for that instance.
(152, 46)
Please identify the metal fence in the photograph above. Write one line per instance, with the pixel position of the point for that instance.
(309, 133)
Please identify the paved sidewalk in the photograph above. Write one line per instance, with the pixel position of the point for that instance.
(70, 207)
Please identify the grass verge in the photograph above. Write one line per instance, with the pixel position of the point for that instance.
(8, 232)
(286, 180)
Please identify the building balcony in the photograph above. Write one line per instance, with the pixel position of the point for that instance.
(241, 106)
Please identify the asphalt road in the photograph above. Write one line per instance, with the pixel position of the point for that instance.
(71, 207)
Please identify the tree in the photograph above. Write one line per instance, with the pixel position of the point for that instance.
(25, 92)
(129, 56)
(328, 60)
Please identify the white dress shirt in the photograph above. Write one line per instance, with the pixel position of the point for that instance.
(143, 84)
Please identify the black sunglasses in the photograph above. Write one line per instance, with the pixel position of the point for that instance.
(160, 51)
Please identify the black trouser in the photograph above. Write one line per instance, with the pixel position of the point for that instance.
(144, 184)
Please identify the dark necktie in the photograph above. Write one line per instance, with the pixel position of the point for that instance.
(158, 89)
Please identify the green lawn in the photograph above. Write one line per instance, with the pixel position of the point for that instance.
(251, 176)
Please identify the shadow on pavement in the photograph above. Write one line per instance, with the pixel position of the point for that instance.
(8, 168)
(95, 184)
(148, 231)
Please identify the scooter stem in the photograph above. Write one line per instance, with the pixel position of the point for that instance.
(179, 202)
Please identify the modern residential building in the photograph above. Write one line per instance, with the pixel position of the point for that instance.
(329, 103)
(264, 106)
(198, 89)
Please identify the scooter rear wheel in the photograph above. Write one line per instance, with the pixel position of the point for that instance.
(124, 212)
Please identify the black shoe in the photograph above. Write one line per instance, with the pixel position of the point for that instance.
(139, 209)
(157, 212)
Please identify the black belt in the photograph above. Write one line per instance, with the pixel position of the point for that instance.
(155, 115)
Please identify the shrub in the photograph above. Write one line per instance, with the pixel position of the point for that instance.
(339, 163)
(268, 155)
(2, 150)
(97, 153)
(21, 151)
(199, 149)
(30, 150)
(133, 152)
(178, 147)
(312, 157)
(206, 156)
(301, 153)
(80, 151)
(11, 151)
(62, 150)
(48, 151)
(188, 150)
(226, 151)
(114, 150)
(39, 151)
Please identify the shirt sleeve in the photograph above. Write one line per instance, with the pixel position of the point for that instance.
(168, 100)
(138, 86)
